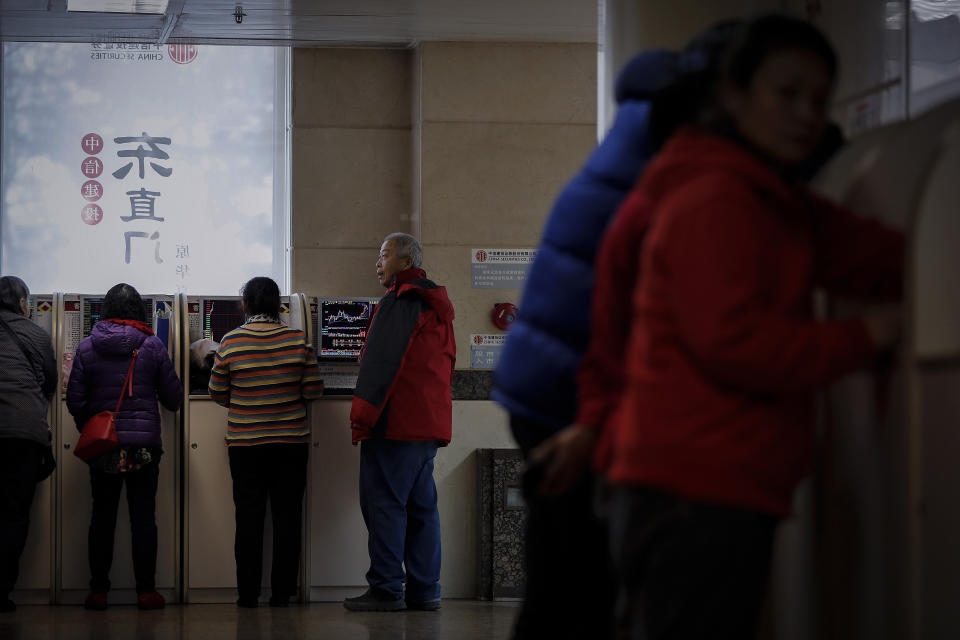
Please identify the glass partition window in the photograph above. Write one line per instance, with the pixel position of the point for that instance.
(934, 53)
(161, 166)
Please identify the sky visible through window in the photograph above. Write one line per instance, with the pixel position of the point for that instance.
(147, 164)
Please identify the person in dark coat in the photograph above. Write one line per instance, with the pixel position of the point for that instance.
(28, 378)
(96, 383)
(402, 411)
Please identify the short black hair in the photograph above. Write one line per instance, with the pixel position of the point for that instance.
(729, 51)
(12, 290)
(124, 303)
(262, 296)
(767, 34)
(681, 100)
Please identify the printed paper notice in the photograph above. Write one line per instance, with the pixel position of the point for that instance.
(501, 268)
(72, 321)
(485, 349)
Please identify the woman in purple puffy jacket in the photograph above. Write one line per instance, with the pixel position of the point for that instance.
(96, 382)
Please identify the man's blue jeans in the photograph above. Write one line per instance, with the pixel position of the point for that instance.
(398, 498)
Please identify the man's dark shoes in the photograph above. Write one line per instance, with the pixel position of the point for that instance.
(424, 605)
(375, 600)
(248, 602)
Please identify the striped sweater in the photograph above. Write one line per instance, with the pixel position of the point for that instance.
(263, 377)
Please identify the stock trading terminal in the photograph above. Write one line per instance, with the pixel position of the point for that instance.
(343, 328)
(340, 332)
(337, 331)
(208, 320)
(159, 317)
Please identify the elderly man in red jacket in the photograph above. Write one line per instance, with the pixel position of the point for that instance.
(402, 411)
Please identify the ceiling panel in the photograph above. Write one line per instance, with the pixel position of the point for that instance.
(61, 27)
(372, 22)
(25, 5)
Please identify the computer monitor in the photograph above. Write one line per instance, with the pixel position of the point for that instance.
(213, 318)
(343, 328)
(221, 317)
(91, 312)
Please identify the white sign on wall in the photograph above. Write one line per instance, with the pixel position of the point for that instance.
(485, 349)
(501, 268)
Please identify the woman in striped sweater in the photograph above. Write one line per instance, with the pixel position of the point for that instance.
(263, 373)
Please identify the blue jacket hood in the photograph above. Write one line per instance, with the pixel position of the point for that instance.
(645, 74)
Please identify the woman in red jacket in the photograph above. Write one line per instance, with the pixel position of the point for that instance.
(714, 429)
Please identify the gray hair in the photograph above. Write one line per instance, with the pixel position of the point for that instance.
(12, 290)
(407, 247)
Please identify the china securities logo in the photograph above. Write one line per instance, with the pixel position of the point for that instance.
(182, 53)
(481, 256)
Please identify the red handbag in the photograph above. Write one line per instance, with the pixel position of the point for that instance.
(99, 433)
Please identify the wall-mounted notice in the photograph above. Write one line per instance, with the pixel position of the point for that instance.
(72, 335)
(500, 268)
(41, 312)
(485, 349)
(163, 311)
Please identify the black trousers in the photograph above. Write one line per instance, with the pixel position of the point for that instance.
(19, 465)
(570, 588)
(142, 505)
(277, 472)
(686, 569)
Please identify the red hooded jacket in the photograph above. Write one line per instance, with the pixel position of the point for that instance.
(724, 352)
(403, 389)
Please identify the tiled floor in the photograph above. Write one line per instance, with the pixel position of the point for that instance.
(457, 620)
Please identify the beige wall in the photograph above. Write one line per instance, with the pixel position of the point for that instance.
(504, 126)
(463, 145)
(476, 425)
(351, 168)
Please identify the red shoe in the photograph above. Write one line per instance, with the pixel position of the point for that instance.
(149, 601)
(96, 601)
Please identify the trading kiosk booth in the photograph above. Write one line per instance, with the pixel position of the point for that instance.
(78, 313)
(337, 560)
(36, 580)
(933, 380)
(209, 525)
(872, 553)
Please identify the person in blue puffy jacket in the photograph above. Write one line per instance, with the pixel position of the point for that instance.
(96, 383)
(569, 588)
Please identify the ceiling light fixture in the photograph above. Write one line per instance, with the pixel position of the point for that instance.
(119, 6)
